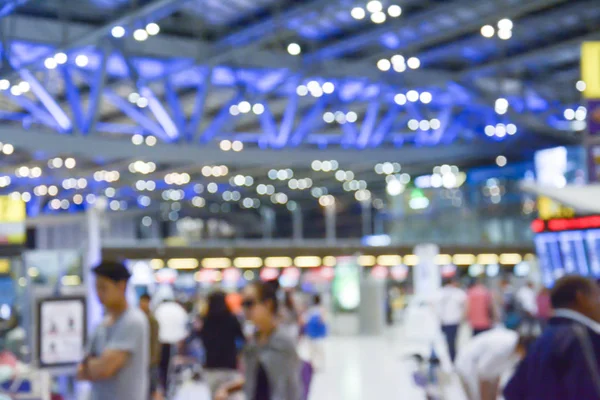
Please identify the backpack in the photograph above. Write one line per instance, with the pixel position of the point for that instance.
(315, 327)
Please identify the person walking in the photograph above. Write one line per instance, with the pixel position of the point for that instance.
(563, 364)
(173, 324)
(119, 352)
(544, 306)
(451, 310)
(272, 365)
(315, 330)
(480, 308)
(288, 315)
(222, 337)
(526, 298)
(145, 301)
(487, 357)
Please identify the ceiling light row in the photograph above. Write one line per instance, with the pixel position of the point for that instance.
(141, 167)
(505, 27)
(175, 178)
(375, 8)
(227, 145)
(26, 172)
(241, 180)
(387, 168)
(138, 140)
(398, 63)
(325, 166)
(580, 114)
(107, 176)
(282, 174)
(244, 107)
(315, 89)
(152, 29)
(216, 171)
(300, 184)
(424, 125)
(413, 96)
(500, 130)
(340, 117)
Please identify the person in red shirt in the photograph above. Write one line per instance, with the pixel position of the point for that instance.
(480, 308)
(544, 306)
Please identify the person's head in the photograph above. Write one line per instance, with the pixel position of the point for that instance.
(145, 300)
(530, 284)
(260, 304)
(111, 283)
(317, 299)
(578, 294)
(451, 282)
(217, 305)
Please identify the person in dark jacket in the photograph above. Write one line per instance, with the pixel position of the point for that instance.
(564, 363)
(222, 337)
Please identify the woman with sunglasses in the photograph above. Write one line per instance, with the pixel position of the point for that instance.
(272, 365)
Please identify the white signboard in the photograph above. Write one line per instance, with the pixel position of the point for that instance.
(427, 276)
(62, 331)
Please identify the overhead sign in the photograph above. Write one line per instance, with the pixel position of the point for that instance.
(12, 220)
(590, 65)
(565, 224)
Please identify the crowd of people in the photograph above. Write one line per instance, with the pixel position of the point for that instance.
(528, 344)
(247, 343)
(525, 343)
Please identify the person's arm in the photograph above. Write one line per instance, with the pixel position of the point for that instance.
(228, 389)
(82, 374)
(489, 389)
(106, 366)
(123, 343)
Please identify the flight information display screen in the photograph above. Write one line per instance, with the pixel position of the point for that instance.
(568, 252)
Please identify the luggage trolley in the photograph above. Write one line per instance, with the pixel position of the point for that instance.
(185, 380)
(426, 376)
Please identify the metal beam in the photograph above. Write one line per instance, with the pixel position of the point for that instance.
(7, 7)
(155, 10)
(419, 26)
(569, 47)
(48, 144)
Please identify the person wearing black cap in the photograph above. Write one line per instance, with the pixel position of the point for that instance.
(118, 352)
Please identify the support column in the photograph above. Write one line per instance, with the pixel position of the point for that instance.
(93, 258)
(268, 222)
(297, 224)
(330, 223)
(367, 217)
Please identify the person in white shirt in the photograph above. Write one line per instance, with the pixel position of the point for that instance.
(481, 363)
(173, 324)
(526, 297)
(451, 311)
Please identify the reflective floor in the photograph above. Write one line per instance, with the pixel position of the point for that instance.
(359, 368)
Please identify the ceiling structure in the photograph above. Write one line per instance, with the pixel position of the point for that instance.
(182, 85)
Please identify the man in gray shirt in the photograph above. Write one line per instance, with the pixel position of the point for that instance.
(118, 353)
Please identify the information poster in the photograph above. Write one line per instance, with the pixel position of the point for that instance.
(62, 332)
(12, 220)
(346, 284)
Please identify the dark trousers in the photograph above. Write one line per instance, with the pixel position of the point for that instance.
(451, 332)
(165, 360)
(478, 331)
